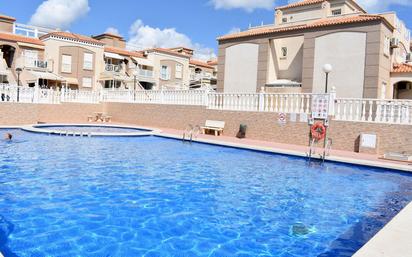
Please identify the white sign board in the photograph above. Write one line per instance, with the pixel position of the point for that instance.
(368, 141)
(320, 107)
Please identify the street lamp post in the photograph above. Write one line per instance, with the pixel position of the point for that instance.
(135, 74)
(327, 68)
(18, 71)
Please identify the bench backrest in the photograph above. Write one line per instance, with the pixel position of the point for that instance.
(215, 123)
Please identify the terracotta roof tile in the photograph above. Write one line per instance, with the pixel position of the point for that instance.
(300, 3)
(73, 36)
(166, 51)
(214, 62)
(317, 24)
(5, 17)
(200, 63)
(402, 68)
(124, 52)
(310, 2)
(22, 39)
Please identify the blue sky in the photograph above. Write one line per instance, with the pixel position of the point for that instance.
(163, 23)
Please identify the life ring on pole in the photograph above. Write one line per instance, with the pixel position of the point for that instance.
(318, 131)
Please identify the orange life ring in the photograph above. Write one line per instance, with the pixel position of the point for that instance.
(318, 131)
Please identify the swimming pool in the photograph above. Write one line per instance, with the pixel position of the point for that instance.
(151, 196)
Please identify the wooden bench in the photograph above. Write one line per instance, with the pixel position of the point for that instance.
(213, 125)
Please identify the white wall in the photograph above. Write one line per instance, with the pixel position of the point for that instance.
(241, 64)
(345, 51)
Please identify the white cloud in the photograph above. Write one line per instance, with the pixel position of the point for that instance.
(377, 5)
(143, 36)
(248, 5)
(112, 30)
(59, 13)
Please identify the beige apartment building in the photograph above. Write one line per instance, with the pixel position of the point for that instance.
(56, 59)
(363, 49)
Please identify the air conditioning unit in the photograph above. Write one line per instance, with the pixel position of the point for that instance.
(394, 43)
(408, 57)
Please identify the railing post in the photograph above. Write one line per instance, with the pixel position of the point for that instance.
(36, 94)
(206, 97)
(161, 95)
(62, 94)
(262, 99)
(332, 98)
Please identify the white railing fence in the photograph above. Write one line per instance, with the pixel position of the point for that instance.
(374, 110)
(343, 109)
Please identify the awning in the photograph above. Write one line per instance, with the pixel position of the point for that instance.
(114, 56)
(110, 76)
(30, 45)
(46, 75)
(284, 83)
(142, 61)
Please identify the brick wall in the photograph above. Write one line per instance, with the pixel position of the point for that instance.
(23, 113)
(262, 126)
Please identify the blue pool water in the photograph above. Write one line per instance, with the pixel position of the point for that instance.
(149, 196)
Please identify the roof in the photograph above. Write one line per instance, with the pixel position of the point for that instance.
(73, 36)
(300, 3)
(200, 63)
(402, 68)
(181, 47)
(18, 38)
(124, 52)
(5, 17)
(166, 51)
(108, 34)
(316, 24)
(311, 2)
(214, 62)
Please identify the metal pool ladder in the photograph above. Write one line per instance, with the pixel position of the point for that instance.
(190, 132)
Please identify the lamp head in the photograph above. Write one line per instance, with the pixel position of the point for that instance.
(327, 68)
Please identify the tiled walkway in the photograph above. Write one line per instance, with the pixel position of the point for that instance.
(336, 155)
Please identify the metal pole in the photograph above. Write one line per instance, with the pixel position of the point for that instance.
(326, 86)
(18, 86)
(134, 89)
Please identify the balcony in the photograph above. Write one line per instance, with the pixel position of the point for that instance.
(201, 76)
(35, 64)
(113, 68)
(146, 73)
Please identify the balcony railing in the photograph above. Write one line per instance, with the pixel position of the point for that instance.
(200, 76)
(113, 68)
(35, 63)
(146, 73)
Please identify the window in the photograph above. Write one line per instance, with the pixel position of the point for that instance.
(284, 52)
(284, 19)
(179, 71)
(31, 56)
(386, 46)
(87, 82)
(164, 73)
(336, 12)
(88, 61)
(67, 63)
